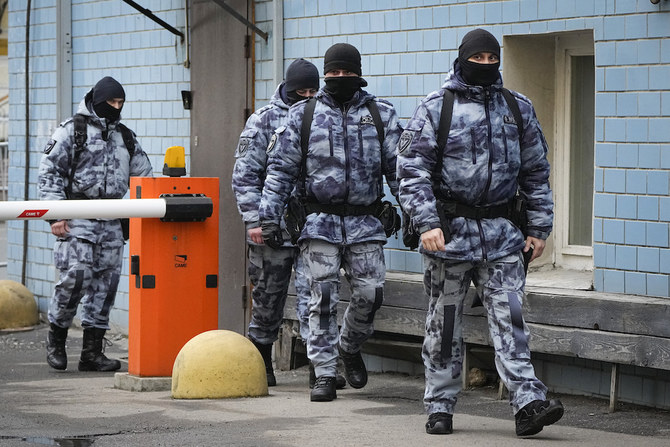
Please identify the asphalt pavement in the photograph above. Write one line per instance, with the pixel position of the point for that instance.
(41, 406)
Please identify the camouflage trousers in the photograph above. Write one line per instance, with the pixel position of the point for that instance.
(303, 296)
(270, 274)
(500, 285)
(88, 273)
(365, 271)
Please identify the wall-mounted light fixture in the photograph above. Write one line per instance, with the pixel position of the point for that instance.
(186, 99)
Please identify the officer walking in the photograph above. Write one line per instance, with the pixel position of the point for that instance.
(336, 147)
(458, 181)
(270, 267)
(90, 156)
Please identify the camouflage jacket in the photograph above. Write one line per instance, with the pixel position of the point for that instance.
(251, 158)
(484, 164)
(103, 168)
(344, 165)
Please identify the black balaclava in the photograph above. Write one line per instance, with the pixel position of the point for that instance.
(343, 56)
(477, 41)
(300, 74)
(107, 88)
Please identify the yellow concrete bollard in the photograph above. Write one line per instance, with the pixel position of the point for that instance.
(218, 364)
(18, 308)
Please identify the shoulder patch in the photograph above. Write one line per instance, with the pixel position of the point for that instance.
(405, 140)
(50, 145)
(242, 147)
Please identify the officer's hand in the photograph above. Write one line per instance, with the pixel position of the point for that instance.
(272, 234)
(60, 228)
(538, 247)
(433, 240)
(256, 235)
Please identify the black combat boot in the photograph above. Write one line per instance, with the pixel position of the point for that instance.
(354, 369)
(340, 381)
(324, 390)
(92, 358)
(56, 356)
(266, 353)
(440, 424)
(532, 418)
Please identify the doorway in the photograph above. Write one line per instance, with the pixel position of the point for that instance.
(557, 72)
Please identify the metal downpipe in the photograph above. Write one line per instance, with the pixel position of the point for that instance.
(26, 179)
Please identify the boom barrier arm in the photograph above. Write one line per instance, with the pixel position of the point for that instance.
(169, 207)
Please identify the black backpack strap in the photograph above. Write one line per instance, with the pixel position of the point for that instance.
(443, 134)
(308, 115)
(305, 129)
(80, 133)
(80, 136)
(379, 125)
(516, 112)
(128, 138)
(377, 118)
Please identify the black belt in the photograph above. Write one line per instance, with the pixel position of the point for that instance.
(456, 209)
(343, 209)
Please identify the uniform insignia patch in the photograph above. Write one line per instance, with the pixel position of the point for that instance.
(509, 119)
(50, 145)
(272, 143)
(367, 119)
(242, 147)
(405, 141)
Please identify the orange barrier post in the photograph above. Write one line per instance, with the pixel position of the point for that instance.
(173, 276)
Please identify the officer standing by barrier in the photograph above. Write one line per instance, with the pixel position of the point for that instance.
(461, 194)
(336, 147)
(90, 156)
(270, 267)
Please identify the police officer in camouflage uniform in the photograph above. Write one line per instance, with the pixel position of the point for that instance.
(270, 268)
(88, 253)
(484, 163)
(340, 177)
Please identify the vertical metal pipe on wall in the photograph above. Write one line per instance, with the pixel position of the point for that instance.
(64, 60)
(26, 179)
(187, 61)
(278, 41)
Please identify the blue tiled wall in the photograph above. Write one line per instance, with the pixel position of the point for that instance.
(108, 38)
(408, 46)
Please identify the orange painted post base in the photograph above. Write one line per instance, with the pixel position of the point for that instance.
(173, 277)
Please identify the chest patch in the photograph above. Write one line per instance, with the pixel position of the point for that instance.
(274, 138)
(367, 119)
(272, 143)
(509, 119)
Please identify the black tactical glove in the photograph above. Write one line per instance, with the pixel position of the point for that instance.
(272, 234)
(409, 237)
